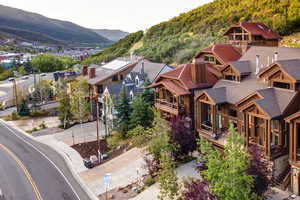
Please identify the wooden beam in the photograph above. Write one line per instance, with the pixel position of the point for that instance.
(269, 137)
(213, 118)
(291, 147)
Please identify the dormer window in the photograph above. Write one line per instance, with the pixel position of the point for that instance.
(230, 78)
(281, 85)
(209, 59)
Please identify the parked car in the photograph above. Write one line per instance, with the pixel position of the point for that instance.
(11, 79)
(43, 74)
(25, 77)
(88, 163)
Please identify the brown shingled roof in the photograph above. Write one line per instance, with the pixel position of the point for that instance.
(256, 28)
(179, 80)
(225, 52)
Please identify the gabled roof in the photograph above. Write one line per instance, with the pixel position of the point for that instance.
(243, 67)
(179, 80)
(110, 69)
(292, 67)
(225, 52)
(183, 74)
(274, 101)
(256, 28)
(152, 70)
(217, 95)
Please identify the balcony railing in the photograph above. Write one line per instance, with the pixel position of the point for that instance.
(166, 103)
(167, 106)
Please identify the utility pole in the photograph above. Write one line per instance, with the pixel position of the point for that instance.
(34, 92)
(15, 93)
(97, 118)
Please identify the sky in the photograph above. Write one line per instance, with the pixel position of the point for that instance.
(127, 15)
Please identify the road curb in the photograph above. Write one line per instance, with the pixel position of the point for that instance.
(65, 158)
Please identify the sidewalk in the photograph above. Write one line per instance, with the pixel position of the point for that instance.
(123, 169)
(73, 156)
(184, 171)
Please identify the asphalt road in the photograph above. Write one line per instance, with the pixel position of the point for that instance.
(6, 90)
(34, 171)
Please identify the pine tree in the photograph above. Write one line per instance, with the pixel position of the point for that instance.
(123, 113)
(148, 94)
(141, 114)
(168, 186)
(227, 174)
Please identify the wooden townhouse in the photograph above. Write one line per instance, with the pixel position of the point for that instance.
(257, 94)
(249, 82)
(174, 90)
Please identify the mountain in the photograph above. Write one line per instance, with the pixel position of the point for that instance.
(34, 27)
(179, 39)
(113, 35)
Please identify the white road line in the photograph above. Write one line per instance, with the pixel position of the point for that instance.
(45, 157)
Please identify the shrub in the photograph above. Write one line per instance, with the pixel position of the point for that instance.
(43, 125)
(14, 116)
(149, 181)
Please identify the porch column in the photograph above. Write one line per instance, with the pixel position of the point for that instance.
(295, 140)
(268, 142)
(213, 118)
(246, 123)
(291, 138)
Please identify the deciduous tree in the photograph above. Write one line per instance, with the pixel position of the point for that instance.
(227, 174)
(168, 186)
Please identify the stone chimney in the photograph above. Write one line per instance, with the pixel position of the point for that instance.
(198, 70)
(92, 72)
(85, 70)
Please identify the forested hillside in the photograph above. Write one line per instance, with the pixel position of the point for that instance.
(38, 28)
(177, 40)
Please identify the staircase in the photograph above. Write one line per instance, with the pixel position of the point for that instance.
(284, 179)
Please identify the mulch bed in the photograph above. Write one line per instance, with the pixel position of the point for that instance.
(120, 193)
(91, 148)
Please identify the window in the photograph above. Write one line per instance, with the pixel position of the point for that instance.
(281, 85)
(275, 124)
(230, 77)
(115, 78)
(232, 112)
(209, 59)
(137, 80)
(262, 137)
(219, 108)
(99, 89)
(121, 77)
(238, 37)
(219, 121)
(258, 37)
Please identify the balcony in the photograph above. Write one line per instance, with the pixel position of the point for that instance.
(166, 106)
(218, 138)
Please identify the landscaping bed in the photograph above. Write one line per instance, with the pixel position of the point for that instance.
(86, 150)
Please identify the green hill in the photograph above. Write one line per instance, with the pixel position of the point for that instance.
(178, 40)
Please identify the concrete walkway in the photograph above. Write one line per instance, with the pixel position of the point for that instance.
(183, 171)
(123, 169)
(73, 156)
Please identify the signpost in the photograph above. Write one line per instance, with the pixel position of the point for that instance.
(106, 179)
